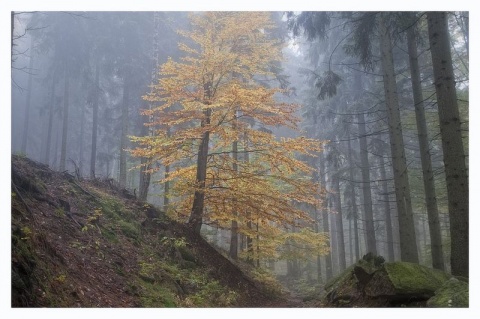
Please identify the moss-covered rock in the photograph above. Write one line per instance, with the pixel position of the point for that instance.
(371, 282)
(453, 293)
(404, 278)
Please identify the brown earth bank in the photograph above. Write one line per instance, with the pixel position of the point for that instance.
(89, 243)
(78, 243)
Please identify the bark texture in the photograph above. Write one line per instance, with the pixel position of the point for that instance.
(453, 151)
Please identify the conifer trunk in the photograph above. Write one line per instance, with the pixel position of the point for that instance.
(386, 207)
(339, 222)
(82, 135)
(408, 244)
(123, 138)
(63, 151)
(93, 155)
(167, 184)
(26, 119)
(319, 264)
(145, 174)
(51, 110)
(428, 178)
(452, 143)
(366, 187)
(354, 201)
(326, 228)
(234, 229)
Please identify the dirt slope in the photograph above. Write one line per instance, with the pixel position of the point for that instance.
(89, 244)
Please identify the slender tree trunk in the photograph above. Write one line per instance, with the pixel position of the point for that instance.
(354, 200)
(55, 152)
(63, 153)
(452, 143)
(12, 21)
(333, 235)
(366, 187)
(408, 241)
(248, 214)
(26, 119)
(337, 201)
(145, 172)
(326, 228)
(386, 208)
(234, 229)
(258, 244)
(145, 175)
(350, 241)
(82, 135)
(196, 216)
(423, 140)
(319, 264)
(167, 184)
(123, 138)
(51, 110)
(96, 89)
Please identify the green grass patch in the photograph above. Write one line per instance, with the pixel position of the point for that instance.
(129, 229)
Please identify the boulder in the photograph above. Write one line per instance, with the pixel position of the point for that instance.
(373, 283)
(403, 279)
(453, 293)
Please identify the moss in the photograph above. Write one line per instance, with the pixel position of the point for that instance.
(187, 255)
(155, 296)
(110, 235)
(129, 229)
(336, 281)
(410, 278)
(212, 294)
(452, 294)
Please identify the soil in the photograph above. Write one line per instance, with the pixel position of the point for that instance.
(62, 255)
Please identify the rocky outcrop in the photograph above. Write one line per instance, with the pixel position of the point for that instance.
(373, 283)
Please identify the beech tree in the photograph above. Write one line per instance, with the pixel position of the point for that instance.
(216, 112)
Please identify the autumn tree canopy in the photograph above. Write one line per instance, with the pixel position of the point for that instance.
(211, 128)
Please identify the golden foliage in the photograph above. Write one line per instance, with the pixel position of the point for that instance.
(264, 180)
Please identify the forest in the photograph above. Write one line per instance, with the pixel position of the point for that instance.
(316, 151)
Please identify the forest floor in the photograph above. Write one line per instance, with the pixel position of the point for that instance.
(78, 243)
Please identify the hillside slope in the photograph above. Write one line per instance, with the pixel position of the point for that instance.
(88, 244)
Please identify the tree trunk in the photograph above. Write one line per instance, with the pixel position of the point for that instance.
(333, 235)
(82, 135)
(51, 110)
(234, 229)
(12, 21)
(319, 265)
(167, 184)
(63, 152)
(386, 208)
(371, 242)
(326, 228)
(196, 216)
(96, 90)
(408, 244)
(423, 140)
(248, 214)
(123, 138)
(145, 174)
(354, 201)
(452, 143)
(337, 201)
(28, 100)
(144, 180)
